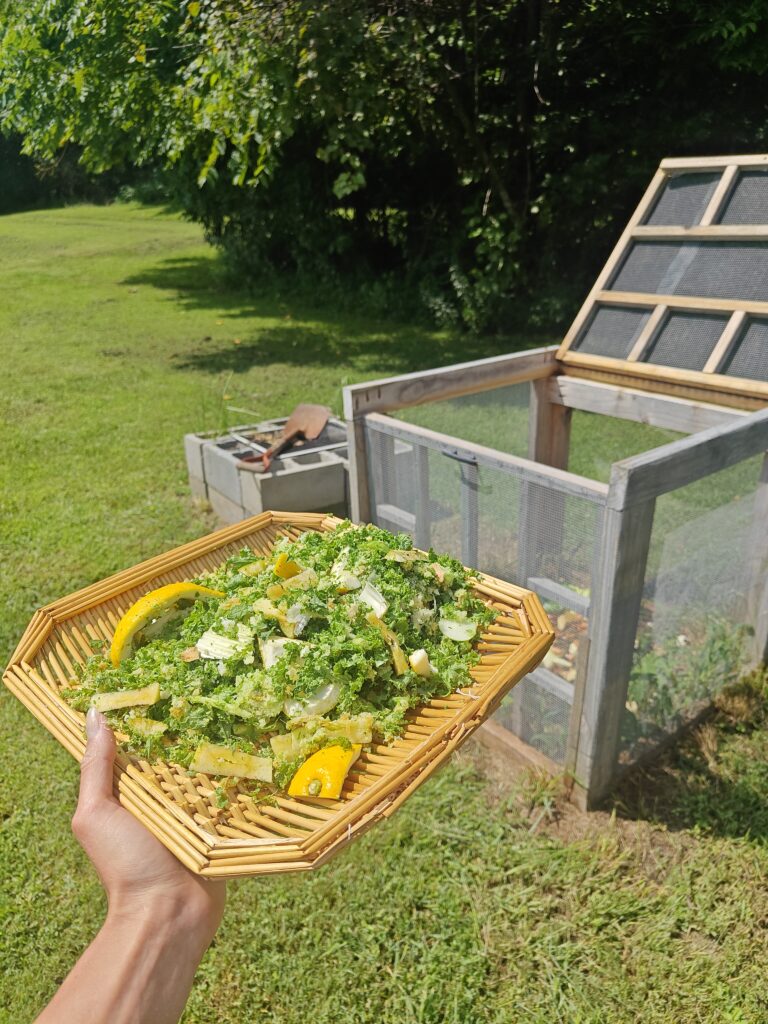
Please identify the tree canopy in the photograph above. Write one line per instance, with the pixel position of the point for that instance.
(482, 151)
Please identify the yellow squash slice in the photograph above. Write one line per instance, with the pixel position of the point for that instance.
(154, 605)
(212, 759)
(143, 697)
(323, 773)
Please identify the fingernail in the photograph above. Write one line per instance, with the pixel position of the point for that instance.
(93, 722)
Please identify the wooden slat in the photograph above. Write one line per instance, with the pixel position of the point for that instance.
(617, 590)
(447, 382)
(711, 382)
(712, 233)
(702, 304)
(681, 414)
(675, 465)
(712, 163)
(725, 342)
(571, 483)
(648, 334)
(720, 195)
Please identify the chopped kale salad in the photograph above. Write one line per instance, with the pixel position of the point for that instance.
(328, 641)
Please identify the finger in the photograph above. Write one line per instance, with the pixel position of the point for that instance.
(98, 760)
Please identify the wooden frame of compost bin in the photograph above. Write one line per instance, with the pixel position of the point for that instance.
(725, 417)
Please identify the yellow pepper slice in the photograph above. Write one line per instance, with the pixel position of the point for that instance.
(152, 606)
(323, 773)
(285, 568)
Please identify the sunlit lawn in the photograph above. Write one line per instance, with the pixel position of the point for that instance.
(118, 335)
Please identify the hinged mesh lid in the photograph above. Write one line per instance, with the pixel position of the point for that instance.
(683, 300)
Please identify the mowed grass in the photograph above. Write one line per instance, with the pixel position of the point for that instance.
(479, 901)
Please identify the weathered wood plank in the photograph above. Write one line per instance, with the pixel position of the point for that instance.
(448, 381)
(725, 342)
(617, 594)
(549, 476)
(711, 233)
(757, 588)
(648, 333)
(681, 414)
(469, 479)
(648, 371)
(359, 496)
(706, 305)
(645, 476)
(720, 195)
(712, 163)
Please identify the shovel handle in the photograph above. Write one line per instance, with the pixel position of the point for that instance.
(279, 446)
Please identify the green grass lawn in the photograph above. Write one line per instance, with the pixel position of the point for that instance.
(481, 900)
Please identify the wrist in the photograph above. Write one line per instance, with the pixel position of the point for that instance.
(178, 917)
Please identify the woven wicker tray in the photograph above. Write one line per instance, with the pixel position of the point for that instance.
(279, 834)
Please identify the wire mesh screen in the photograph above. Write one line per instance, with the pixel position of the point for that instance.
(725, 270)
(749, 356)
(539, 716)
(693, 633)
(684, 199)
(502, 522)
(686, 340)
(748, 203)
(497, 418)
(612, 332)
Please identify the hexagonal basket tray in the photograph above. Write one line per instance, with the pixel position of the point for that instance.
(255, 835)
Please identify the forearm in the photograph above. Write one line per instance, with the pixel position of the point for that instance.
(138, 970)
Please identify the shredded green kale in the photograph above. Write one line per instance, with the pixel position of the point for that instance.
(310, 657)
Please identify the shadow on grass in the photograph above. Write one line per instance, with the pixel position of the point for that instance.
(715, 780)
(313, 332)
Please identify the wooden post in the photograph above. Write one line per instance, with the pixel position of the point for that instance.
(757, 591)
(359, 498)
(423, 526)
(549, 436)
(617, 593)
(469, 479)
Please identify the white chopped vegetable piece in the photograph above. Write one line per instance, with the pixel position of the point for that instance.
(320, 702)
(273, 650)
(372, 597)
(211, 759)
(457, 629)
(297, 619)
(217, 647)
(421, 664)
(127, 698)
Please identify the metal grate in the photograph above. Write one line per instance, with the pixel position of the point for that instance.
(726, 270)
(684, 199)
(748, 203)
(686, 340)
(612, 332)
(749, 357)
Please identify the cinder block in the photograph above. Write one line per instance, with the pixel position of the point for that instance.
(228, 511)
(198, 488)
(302, 483)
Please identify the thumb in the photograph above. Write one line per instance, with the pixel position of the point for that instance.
(98, 760)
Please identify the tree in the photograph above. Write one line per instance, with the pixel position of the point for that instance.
(482, 150)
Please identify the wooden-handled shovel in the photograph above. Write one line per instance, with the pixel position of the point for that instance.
(305, 422)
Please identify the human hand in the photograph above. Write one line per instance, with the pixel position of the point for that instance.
(139, 875)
